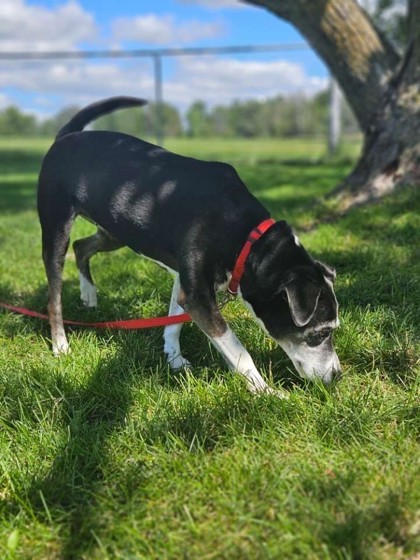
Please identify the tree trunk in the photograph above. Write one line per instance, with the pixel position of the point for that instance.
(382, 89)
(391, 152)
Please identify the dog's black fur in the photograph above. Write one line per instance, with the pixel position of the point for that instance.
(191, 216)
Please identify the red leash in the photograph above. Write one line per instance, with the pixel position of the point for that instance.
(129, 324)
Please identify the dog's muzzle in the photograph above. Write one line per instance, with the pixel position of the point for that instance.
(327, 375)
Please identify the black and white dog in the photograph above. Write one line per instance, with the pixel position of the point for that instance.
(197, 219)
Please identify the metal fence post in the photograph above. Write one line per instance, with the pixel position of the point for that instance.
(157, 64)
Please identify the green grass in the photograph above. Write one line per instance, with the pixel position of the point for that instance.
(106, 454)
(228, 150)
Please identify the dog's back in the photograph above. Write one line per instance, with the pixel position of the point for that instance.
(129, 186)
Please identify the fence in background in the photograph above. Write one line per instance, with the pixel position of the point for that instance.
(156, 56)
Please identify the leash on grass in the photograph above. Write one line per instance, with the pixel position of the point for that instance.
(127, 324)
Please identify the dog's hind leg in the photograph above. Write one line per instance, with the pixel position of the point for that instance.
(171, 333)
(84, 250)
(55, 241)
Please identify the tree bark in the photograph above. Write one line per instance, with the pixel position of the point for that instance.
(391, 152)
(381, 88)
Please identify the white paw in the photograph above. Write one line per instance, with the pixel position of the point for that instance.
(176, 361)
(275, 393)
(61, 347)
(266, 390)
(88, 293)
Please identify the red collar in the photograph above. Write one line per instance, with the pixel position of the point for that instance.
(239, 267)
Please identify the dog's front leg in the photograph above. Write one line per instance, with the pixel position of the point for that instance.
(171, 333)
(238, 359)
(206, 314)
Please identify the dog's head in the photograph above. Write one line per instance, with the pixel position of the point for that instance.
(293, 297)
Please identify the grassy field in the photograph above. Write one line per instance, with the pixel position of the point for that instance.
(106, 454)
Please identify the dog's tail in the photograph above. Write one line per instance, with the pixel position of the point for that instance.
(92, 112)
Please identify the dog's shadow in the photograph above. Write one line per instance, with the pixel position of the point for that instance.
(89, 415)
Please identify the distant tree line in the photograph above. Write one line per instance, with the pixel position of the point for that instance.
(278, 117)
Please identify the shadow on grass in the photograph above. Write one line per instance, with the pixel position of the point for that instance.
(89, 414)
(17, 196)
(356, 533)
(18, 161)
(17, 189)
(19, 170)
(286, 187)
(354, 530)
(67, 494)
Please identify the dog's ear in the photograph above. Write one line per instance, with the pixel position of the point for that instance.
(328, 271)
(303, 300)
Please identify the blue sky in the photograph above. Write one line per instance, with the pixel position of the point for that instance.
(45, 87)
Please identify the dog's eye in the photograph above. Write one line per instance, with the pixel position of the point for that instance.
(315, 339)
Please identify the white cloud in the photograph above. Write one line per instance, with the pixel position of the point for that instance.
(35, 28)
(220, 80)
(215, 80)
(163, 30)
(76, 82)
